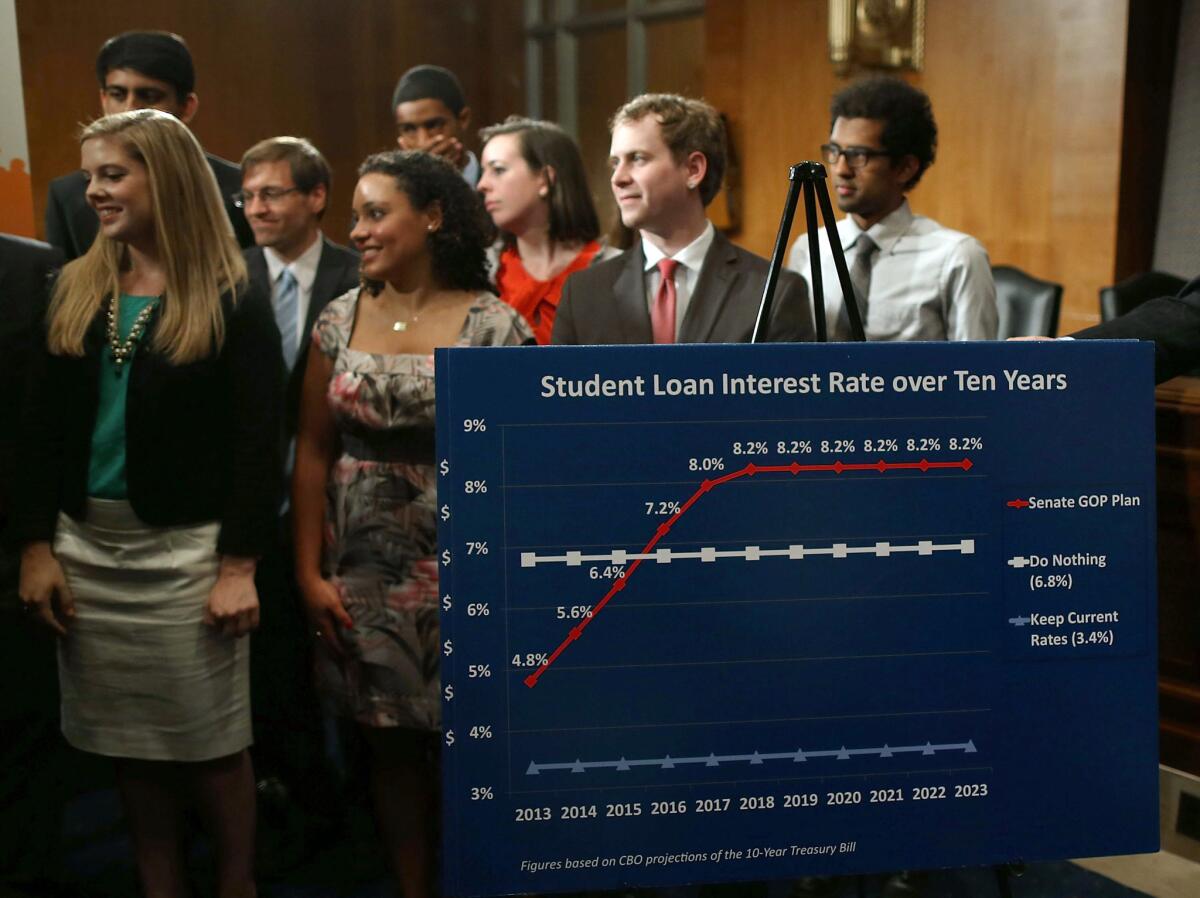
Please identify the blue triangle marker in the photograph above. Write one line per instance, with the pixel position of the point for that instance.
(532, 769)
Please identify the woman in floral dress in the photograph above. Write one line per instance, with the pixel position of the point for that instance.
(364, 487)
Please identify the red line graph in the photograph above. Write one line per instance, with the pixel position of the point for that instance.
(750, 470)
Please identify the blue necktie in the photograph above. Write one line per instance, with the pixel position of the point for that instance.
(287, 310)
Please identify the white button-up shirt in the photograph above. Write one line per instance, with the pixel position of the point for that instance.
(927, 281)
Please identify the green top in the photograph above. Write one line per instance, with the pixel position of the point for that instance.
(106, 471)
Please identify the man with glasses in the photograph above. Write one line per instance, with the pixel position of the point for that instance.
(285, 190)
(915, 279)
(136, 70)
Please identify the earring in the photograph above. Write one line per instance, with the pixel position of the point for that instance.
(543, 193)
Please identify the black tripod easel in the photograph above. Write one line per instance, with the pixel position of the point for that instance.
(811, 177)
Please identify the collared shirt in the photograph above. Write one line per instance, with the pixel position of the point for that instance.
(690, 259)
(927, 281)
(472, 171)
(304, 268)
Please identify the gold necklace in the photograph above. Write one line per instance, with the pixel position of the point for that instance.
(123, 350)
(402, 325)
(399, 325)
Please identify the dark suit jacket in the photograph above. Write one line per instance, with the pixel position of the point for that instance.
(71, 224)
(1172, 322)
(606, 303)
(25, 267)
(337, 272)
(202, 439)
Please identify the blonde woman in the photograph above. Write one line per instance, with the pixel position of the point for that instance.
(150, 476)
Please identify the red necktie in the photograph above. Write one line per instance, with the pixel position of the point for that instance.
(662, 313)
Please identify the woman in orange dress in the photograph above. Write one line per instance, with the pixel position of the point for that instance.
(536, 192)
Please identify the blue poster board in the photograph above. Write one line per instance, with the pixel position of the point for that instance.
(723, 613)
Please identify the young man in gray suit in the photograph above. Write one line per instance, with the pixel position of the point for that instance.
(682, 281)
(136, 70)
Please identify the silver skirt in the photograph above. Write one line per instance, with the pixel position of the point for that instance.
(141, 674)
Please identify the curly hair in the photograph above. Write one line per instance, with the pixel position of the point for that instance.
(908, 129)
(458, 248)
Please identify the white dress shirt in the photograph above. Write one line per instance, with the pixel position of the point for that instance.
(472, 171)
(690, 259)
(304, 269)
(927, 281)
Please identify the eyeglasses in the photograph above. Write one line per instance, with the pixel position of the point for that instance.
(268, 195)
(856, 157)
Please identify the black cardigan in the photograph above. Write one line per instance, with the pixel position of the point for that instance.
(203, 441)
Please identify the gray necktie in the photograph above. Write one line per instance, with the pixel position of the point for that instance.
(287, 310)
(860, 274)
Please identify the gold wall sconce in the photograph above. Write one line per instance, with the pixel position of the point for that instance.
(885, 34)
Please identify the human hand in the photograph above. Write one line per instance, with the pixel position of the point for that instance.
(232, 608)
(448, 148)
(326, 613)
(43, 588)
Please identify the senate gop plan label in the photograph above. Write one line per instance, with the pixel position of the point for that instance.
(726, 613)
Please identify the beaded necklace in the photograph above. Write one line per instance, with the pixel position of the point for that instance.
(123, 350)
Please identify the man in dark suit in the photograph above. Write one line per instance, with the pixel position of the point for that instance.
(682, 281)
(284, 192)
(30, 828)
(137, 70)
(1172, 322)
(25, 267)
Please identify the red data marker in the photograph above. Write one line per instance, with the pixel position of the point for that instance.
(795, 467)
(837, 466)
(966, 464)
(1019, 503)
(881, 465)
(924, 464)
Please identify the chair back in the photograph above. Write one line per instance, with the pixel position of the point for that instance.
(1126, 296)
(1027, 306)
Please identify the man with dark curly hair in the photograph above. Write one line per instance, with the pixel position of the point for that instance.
(915, 279)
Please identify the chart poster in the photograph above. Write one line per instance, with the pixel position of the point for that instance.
(727, 613)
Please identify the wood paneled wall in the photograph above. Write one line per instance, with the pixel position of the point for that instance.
(315, 68)
(1030, 99)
